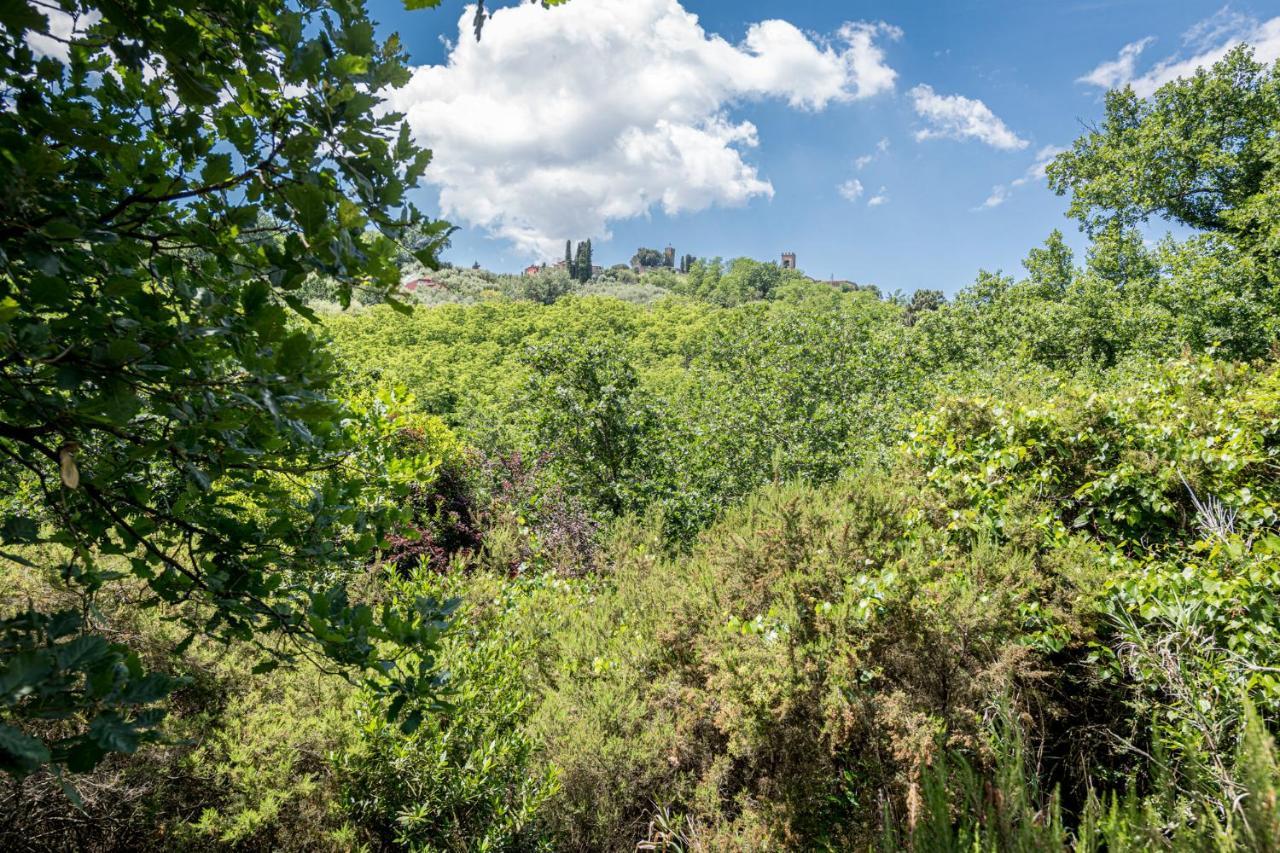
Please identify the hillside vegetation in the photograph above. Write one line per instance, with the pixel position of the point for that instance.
(722, 559)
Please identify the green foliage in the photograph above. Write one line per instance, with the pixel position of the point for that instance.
(680, 405)
(962, 808)
(794, 673)
(53, 670)
(790, 673)
(465, 782)
(547, 286)
(265, 764)
(922, 301)
(1201, 151)
(1122, 465)
(745, 280)
(1128, 302)
(1197, 150)
(159, 226)
(647, 258)
(581, 268)
(1002, 809)
(613, 286)
(1169, 480)
(842, 534)
(743, 560)
(799, 387)
(1051, 269)
(589, 413)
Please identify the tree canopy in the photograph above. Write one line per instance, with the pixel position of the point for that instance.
(171, 174)
(1203, 151)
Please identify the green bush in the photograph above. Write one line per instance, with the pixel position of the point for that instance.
(958, 807)
(792, 680)
(266, 765)
(789, 674)
(463, 781)
(246, 760)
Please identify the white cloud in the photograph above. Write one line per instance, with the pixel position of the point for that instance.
(559, 122)
(864, 59)
(865, 160)
(1120, 70)
(881, 197)
(62, 28)
(1211, 38)
(958, 117)
(1224, 24)
(999, 195)
(1035, 172)
(850, 190)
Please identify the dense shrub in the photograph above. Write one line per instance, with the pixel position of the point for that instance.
(792, 682)
(986, 633)
(466, 781)
(265, 764)
(246, 762)
(793, 671)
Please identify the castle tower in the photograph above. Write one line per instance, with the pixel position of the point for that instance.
(788, 260)
(669, 256)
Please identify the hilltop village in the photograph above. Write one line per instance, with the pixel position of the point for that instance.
(644, 260)
(651, 275)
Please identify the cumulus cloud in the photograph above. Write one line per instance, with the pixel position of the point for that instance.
(1210, 40)
(559, 122)
(850, 190)
(1035, 172)
(958, 117)
(881, 197)
(864, 58)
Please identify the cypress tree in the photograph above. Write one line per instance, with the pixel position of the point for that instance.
(568, 257)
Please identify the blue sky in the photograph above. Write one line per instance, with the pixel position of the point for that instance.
(888, 143)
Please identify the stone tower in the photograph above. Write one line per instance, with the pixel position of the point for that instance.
(788, 260)
(669, 256)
